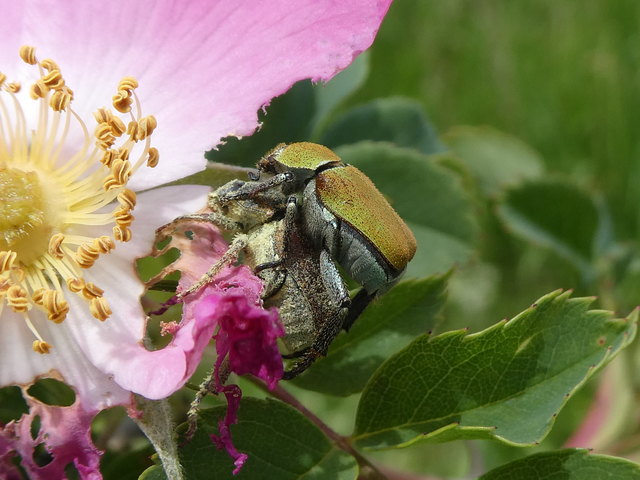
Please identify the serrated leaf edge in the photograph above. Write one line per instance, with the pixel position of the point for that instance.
(557, 295)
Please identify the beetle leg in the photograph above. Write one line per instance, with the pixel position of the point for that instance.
(208, 385)
(328, 329)
(333, 281)
(300, 366)
(273, 284)
(252, 189)
(358, 304)
(215, 218)
(267, 265)
(319, 348)
(238, 243)
(296, 354)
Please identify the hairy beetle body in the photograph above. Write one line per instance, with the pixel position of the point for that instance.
(307, 211)
(300, 280)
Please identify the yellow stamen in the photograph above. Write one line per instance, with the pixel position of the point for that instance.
(28, 54)
(91, 291)
(122, 101)
(53, 80)
(41, 346)
(13, 87)
(17, 298)
(60, 100)
(86, 255)
(154, 157)
(146, 126)
(6, 261)
(127, 198)
(55, 245)
(51, 190)
(38, 90)
(99, 308)
(122, 234)
(75, 284)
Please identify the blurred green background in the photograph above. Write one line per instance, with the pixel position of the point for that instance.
(562, 76)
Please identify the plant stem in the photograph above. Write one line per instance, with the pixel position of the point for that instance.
(157, 425)
(368, 470)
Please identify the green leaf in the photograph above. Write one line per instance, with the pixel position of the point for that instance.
(568, 464)
(12, 404)
(397, 120)
(52, 392)
(386, 326)
(557, 215)
(497, 160)
(214, 175)
(507, 382)
(153, 473)
(428, 196)
(126, 465)
(280, 441)
(330, 95)
(286, 120)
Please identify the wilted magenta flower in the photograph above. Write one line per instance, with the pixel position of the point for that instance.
(101, 100)
(247, 334)
(229, 309)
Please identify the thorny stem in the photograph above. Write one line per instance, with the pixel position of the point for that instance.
(207, 386)
(368, 470)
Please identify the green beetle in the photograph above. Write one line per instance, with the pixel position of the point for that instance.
(302, 282)
(342, 212)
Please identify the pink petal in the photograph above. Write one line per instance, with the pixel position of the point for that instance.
(198, 252)
(205, 68)
(67, 361)
(115, 346)
(66, 434)
(105, 361)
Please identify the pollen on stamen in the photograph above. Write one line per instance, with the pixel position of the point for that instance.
(13, 87)
(122, 234)
(146, 126)
(127, 198)
(99, 308)
(53, 303)
(17, 299)
(7, 258)
(86, 255)
(154, 157)
(55, 245)
(91, 290)
(53, 80)
(122, 101)
(123, 217)
(40, 346)
(104, 244)
(60, 100)
(28, 54)
(69, 184)
(75, 285)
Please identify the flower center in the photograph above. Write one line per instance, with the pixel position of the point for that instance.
(24, 221)
(56, 190)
